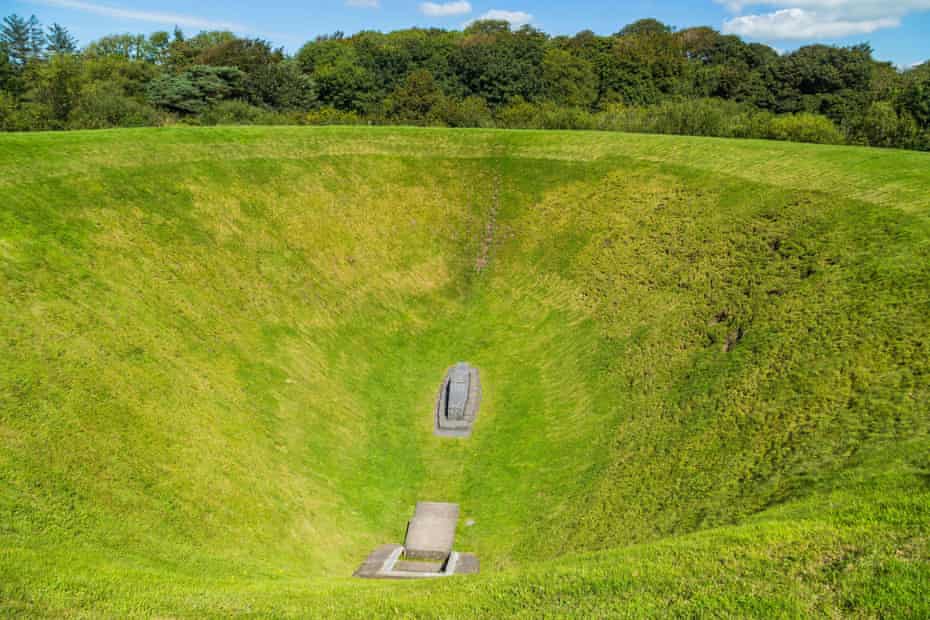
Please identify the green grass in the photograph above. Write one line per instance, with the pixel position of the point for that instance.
(706, 372)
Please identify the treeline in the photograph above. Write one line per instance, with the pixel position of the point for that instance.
(647, 78)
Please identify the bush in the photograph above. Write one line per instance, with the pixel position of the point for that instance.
(518, 114)
(23, 116)
(523, 115)
(103, 104)
(471, 112)
(883, 126)
(751, 124)
(699, 117)
(238, 112)
(332, 116)
(805, 127)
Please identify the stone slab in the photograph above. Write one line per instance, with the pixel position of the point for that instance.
(417, 566)
(445, 427)
(436, 510)
(374, 564)
(467, 564)
(431, 531)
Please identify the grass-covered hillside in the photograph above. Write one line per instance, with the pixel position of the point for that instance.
(706, 372)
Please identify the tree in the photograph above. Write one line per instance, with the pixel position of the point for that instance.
(915, 98)
(646, 63)
(23, 38)
(343, 81)
(103, 104)
(157, 47)
(648, 26)
(7, 71)
(499, 65)
(129, 46)
(195, 89)
(490, 27)
(57, 86)
(281, 86)
(835, 81)
(569, 80)
(882, 126)
(244, 54)
(183, 52)
(416, 99)
(60, 40)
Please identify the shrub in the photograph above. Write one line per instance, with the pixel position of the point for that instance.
(332, 116)
(103, 104)
(805, 127)
(238, 112)
(232, 112)
(470, 112)
(518, 114)
(751, 124)
(883, 126)
(23, 116)
(523, 115)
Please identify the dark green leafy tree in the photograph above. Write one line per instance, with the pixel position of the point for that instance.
(648, 27)
(417, 99)
(281, 86)
(915, 98)
(183, 51)
(57, 85)
(499, 65)
(342, 79)
(821, 79)
(244, 54)
(569, 80)
(59, 40)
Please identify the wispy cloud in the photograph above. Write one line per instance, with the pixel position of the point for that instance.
(157, 17)
(433, 9)
(363, 4)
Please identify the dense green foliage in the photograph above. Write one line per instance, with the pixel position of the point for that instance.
(705, 369)
(646, 77)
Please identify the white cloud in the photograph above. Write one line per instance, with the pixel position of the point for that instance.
(813, 19)
(800, 24)
(515, 18)
(849, 8)
(433, 9)
(179, 19)
(363, 4)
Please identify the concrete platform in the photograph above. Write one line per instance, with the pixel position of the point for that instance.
(376, 561)
(431, 532)
(427, 552)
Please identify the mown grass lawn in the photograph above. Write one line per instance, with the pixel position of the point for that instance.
(704, 363)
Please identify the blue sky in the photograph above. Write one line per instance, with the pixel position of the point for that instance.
(899, 30)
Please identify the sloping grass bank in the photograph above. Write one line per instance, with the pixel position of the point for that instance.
(705, 367)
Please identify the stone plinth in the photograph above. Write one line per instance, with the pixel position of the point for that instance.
(458, 401)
